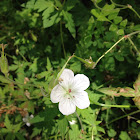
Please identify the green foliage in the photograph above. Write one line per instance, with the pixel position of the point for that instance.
(38, 36)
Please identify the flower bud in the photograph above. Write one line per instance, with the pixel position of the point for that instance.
(4, 63)
(90, 64)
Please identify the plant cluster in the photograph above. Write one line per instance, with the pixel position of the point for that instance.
(40, 40)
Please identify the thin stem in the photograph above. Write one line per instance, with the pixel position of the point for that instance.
(62, 41)
(124, 7)
(132, 113)
(96, 5)
(108, 50)
(124, 37)
(134, 45)
(64, 67)
(131, 8)
(82, 60)
(23, 57)
(92, 133)
(136, 32)
(117, 106)
(79, 121)
(117, 4)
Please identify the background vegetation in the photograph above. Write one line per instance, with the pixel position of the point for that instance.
(38, 37)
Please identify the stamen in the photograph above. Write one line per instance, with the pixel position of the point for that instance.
(69, 90)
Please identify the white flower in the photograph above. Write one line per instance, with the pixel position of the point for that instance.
(70, 92)
(72, 122)
(27, 119)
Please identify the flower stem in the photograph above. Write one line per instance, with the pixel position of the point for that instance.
(108, 50)
(79, 121)
(124, 37)
(134, 45)
(82, 60)
(131, 8)
(117, 106)
(64, 67)
(132, 113)
(62, 41)
(126, 6)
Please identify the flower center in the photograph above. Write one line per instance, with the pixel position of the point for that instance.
(69, 90)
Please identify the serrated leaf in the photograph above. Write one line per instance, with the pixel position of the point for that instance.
(30, 4)
(99, 16)
(49, 22)
(74, 132)
(69, 22)
(7, 123)
(70, 4)
(4, 80)
(126, 92)
(108, 9)
(42, 5)
(19, 136)
(76, 66)
(62, 125)
(33, 66)
(48, 11)
(17, 127)
(49, 66)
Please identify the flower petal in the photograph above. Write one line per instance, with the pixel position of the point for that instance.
(81, 99)
(66, 77)
(57, 93)
(80, 82)
(67, 107)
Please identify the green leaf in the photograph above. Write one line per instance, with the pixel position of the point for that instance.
(69, 4)
(4, 80)
(126, 92)
(62, 125)
(99, 16)
(117, 20)
(112, 16)
(49, 66)
(69, 22)
(17, 127)
(108, 9)
(10, 136)
(110, 64)
(33, 67)
(74, 132)
(124, 136)
(120, 32)
(42, 5)
(76, 66)
(19, 136)
(30, 4)
(48, 22)
(111, 133)
(46, 14)
(113, 27)
(124, 23)
(119, 57)
(7, 123)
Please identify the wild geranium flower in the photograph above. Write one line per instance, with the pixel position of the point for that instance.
(27, 119)
(70, 92)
